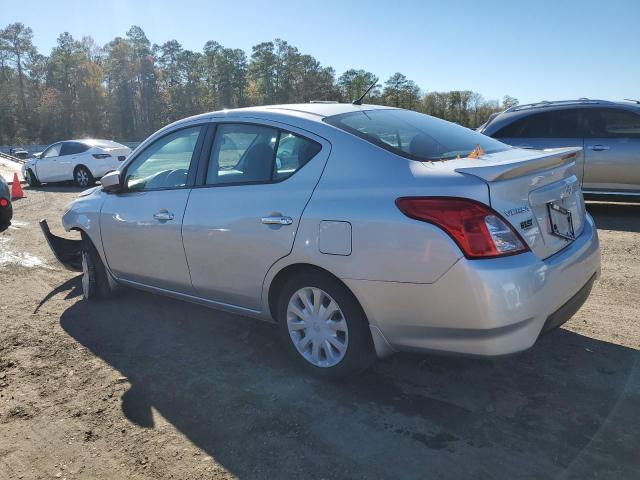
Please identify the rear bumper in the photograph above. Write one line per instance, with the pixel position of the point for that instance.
(67, 252)
(484, 307)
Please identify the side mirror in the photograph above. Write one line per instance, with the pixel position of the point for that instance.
(111, 182)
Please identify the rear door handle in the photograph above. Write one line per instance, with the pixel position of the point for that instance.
(524, 146)
(599, 148)
(277, 220)
(163, 215)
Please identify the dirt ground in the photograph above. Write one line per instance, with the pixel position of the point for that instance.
(146, 387)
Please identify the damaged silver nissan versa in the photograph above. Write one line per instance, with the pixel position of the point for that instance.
(360, 230)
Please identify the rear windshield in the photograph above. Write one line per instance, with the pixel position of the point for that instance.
(414, 135)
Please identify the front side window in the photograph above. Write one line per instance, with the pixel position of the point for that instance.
(165, 163)
(414, 135)
(612, 123)
(52, 151)
(245, 153)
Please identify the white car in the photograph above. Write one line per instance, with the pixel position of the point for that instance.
(82, 161)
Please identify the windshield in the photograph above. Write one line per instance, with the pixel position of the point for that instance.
(414, 135)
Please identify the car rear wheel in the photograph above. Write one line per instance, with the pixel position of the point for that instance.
(82, 176)
(323, 326)
(95, 283)
(31, 179)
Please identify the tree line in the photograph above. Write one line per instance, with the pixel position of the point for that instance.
(129, 87)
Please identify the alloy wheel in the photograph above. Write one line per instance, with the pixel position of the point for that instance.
(82, 177)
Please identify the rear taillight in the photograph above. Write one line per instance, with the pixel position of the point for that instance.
(101, 155)
(479, 231)
(4, 202)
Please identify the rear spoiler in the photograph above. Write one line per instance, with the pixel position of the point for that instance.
(68, 252)
(532, 161)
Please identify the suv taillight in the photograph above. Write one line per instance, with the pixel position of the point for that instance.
(101, 155)
(479, 231)
(4, 202)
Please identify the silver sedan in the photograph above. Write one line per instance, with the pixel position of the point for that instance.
(360, 230)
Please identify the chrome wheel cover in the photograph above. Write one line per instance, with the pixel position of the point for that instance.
(85, 275)
(317, 327)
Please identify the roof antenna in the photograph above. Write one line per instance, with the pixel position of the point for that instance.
(359, 100)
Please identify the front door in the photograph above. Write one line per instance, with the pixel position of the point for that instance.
(244, 215)
(141, 227)
(612, 150)
(48, 167)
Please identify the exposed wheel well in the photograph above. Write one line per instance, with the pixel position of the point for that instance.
(77, 167)
(278, 282)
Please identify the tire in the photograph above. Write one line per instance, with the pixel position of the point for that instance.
(349, 326)
(31, 179)
(83, 177)
(95, 283)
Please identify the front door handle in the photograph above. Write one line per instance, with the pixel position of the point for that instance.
(599, 148)
(163, 216)
(277, 220)
(524, 146)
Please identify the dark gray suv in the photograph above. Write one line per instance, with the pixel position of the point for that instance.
(608, 132)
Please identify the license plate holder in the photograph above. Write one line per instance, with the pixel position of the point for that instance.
(561, 221)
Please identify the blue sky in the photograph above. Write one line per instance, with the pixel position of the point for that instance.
(532, 50)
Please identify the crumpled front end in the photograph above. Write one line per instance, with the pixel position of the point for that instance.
(68, 252)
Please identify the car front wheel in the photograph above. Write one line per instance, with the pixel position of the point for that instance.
(95, 284)
(323, 326)
(31, 179)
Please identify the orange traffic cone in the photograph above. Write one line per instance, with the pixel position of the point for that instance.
(16, 188)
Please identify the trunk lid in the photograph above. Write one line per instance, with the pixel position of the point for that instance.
(121, 153)
(536, 191)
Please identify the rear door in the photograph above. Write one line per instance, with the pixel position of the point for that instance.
(141, 226)
(612, 150)
(244, 214)
(69, 155)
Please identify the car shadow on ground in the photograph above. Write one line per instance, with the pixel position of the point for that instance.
(567, 406)
(616, 216)
(63, 187)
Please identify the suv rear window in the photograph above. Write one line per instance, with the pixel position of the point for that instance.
(414, 135)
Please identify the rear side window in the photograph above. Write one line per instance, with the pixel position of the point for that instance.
(245, 153)
(73, 148)
(611, 123)
(293, 152)
(552, 124)
(414, 135)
